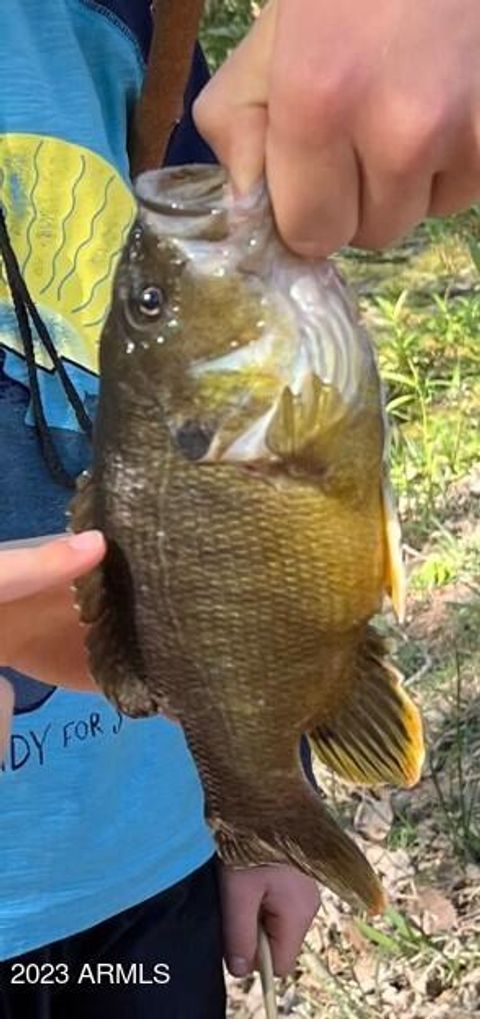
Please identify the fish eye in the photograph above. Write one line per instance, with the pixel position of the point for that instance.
(151, 301)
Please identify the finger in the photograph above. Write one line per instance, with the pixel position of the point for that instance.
(25, 572)
(286, 938)
(456, 184)
(241, 151)
(401, 145)
(286, 922)
(453, 192)
(6, 711)
(311, 164)
(231, 111)
(391, 206)
(315, 192)
(241, 897)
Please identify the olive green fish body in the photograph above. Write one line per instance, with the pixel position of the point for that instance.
(239, 478)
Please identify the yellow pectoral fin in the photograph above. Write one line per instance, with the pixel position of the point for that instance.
(395, 578)
(377, 737)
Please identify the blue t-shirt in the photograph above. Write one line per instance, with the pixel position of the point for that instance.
(97, 811)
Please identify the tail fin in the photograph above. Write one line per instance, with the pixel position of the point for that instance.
(307, 837)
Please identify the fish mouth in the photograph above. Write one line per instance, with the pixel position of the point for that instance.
(188, 200)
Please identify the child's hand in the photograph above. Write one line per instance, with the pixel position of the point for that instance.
(283, 899)
(39, 629)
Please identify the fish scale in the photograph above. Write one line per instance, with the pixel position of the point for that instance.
(239, 477)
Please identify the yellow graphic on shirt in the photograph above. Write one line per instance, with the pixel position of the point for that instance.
(68, 213)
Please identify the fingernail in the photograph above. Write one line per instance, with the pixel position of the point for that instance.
(238, 967)
(87, 541)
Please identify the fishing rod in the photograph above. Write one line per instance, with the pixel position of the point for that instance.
(160, 108)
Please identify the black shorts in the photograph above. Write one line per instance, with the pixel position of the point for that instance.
(159, 960)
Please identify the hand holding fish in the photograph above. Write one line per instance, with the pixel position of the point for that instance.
(39, 629)
(283, 899)
(364, 117)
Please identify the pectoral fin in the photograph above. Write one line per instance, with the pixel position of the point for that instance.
(395, 580)
(377, 737)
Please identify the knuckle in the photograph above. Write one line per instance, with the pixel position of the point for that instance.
(284, 969)
(209, 114)
(411, 134)
(306, 899)
(307, 105)
(203, 122)
(308, 910)
(313, 233)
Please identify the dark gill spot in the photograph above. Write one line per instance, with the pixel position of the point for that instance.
(194, 440)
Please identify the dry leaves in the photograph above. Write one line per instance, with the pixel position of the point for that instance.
(374, 816)
(437, 913)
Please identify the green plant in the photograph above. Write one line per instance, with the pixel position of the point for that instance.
(224, 25)
(459, 792)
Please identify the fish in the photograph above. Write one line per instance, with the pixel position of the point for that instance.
(240, 477)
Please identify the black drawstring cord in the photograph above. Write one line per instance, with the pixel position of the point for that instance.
(24, 305)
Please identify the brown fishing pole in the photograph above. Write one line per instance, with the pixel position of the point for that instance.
(176, 24)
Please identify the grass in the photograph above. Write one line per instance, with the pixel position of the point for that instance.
(457, 791)
(421, 303)
(425, 318)
(224, 25)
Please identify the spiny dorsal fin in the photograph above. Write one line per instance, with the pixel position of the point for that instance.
(302, 425)
(377, 738)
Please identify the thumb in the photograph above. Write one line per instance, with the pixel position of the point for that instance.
(27, 571)
(232, 110)
(241, 897)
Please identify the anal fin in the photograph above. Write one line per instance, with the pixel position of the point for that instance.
(377, 737)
